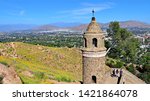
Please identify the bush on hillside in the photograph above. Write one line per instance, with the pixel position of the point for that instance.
(39, 75)
(119, 64)
(145, 76)
(131, 69)
(4, 63)
(63, 78)
(110, 63)
(1, 78)
(113, 63)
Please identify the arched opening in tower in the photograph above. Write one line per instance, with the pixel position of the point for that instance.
(94, 79)
(94, 41)
(85, 42)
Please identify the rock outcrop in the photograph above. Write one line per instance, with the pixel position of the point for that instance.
(8, 75)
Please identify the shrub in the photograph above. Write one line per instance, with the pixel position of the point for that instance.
(39, 75)
(119, 64)
(131, 69)
(63, 78)
(114, 63)
(110, 63)
(4, 63)
(1, 78)
(145, 76)
(146, 67)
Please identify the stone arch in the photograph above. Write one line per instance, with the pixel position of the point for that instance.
(94, 79)
(85, 42)
(94, 42)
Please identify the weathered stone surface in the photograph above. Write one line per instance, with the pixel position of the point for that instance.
(93, 67)
(9, 75)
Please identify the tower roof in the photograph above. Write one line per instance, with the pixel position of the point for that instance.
(93, 27)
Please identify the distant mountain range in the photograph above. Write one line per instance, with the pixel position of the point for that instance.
(68, 26)
(15, 27)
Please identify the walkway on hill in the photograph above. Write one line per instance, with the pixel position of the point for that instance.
(127, 78)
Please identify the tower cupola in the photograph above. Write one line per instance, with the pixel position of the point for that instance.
(93, 27)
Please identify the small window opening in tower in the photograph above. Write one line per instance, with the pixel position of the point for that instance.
(85, 42)
(94, 41)
(94, 79)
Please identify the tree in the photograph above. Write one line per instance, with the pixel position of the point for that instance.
(113, 30)
(125, 46)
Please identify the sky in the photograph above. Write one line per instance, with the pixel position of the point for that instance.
(70, 11)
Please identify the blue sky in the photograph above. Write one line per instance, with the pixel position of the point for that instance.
(51, 11)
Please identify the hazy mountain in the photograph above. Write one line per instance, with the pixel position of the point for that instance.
(81, 27)
(131, 24)
(15, 27)
(46, 28)
(69, 26)
(66, 24)
(123, 24)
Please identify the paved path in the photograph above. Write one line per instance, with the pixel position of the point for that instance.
(127, 78)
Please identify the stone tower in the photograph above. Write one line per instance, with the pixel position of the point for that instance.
(93, 54)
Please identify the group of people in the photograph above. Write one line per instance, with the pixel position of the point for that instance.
(117, 73)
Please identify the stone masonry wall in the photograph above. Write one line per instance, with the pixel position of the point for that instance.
(93, 66)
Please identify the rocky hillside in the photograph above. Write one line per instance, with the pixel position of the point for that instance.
(39, 64)
(8, 75)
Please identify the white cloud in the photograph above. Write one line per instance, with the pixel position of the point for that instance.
(87, 8)
(96, 5)
(16, 12)
(82, 12)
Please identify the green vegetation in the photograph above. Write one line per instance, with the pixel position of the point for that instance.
(1, 78)
(126, 52)
(4, 63)
(40, 64)
(131, 69)
(114, 63)
(144, 67)
(145, 76)
(51, 40)
(125, 46)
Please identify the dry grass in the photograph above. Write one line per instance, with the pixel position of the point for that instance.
(45, 63)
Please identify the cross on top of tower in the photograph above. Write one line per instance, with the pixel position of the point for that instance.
(93, 12)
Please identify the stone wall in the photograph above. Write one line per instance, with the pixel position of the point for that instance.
(94, 66)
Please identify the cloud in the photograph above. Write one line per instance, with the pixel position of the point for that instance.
(106, 4)
(16, 13)
(82, 12)
(87, 8)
